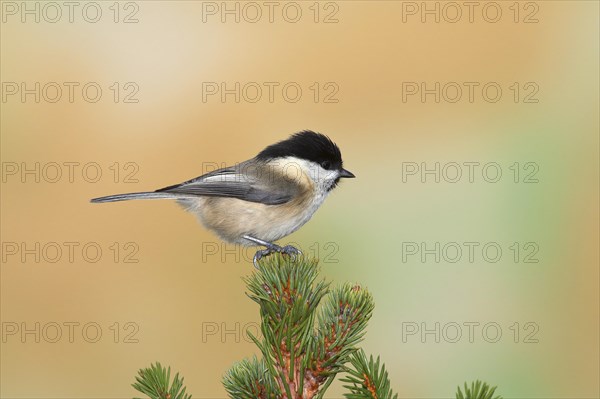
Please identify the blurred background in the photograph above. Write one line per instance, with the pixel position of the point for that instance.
(473, 220)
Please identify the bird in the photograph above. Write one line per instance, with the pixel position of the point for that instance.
(263, 199)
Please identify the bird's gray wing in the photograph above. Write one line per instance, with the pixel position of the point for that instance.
(232, 183)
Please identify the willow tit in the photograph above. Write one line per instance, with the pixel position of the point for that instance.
(263, 199)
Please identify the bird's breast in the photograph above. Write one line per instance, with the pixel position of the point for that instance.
(232, 218)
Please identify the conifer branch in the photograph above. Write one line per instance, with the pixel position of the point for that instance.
(155, 383)
(306, 343)
(310, 334)
(250, 379)
(478, 390)
(341, 325)
(368, 379)
(288, 296)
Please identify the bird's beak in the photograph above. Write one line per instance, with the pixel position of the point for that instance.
(346, 173)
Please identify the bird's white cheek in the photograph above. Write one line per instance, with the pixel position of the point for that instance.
(330, 179)
(323, 176)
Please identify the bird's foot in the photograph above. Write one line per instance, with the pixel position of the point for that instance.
(291, 251)
(259, 255)
(287, 250)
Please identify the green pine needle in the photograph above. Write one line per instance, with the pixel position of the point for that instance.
(295, 348)
(341, 322)
(288, 294)
(478, 390)
(155, 383)
(309, 335)
(367, 379)
(250, 379)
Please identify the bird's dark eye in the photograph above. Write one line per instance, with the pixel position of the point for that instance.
(326, 165)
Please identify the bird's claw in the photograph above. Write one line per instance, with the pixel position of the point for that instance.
(287, 250)
(259, 255)
(291, 251)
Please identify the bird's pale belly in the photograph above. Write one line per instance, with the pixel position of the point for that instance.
(231, 218)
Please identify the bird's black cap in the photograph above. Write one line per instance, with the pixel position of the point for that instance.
(315, 147)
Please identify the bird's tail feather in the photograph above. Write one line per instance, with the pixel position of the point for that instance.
(132, 196)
